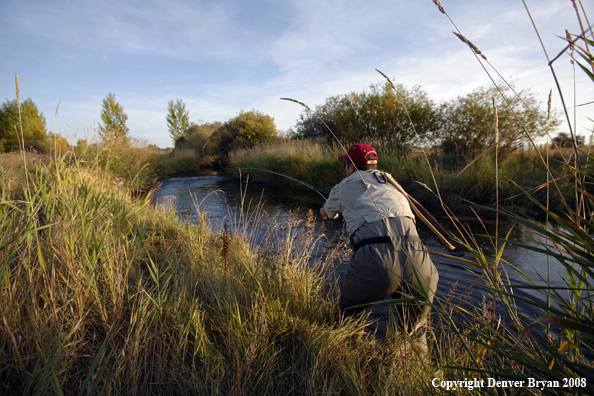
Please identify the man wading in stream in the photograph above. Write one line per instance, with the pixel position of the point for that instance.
(389, 257)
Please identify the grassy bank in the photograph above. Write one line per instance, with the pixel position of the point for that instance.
(106, 294)
(136, 163)
(317, 164)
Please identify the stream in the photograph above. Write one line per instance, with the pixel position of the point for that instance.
(279, 213)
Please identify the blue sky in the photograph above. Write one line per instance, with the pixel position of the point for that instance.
(221, 57)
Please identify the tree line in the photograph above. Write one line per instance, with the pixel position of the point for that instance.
(389, 117)
(217, 139)
(398, 118)
(23, 125)
(244, 130)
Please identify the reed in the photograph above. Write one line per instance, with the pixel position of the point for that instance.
(133, 162)
(558, 346)
(12, 168)
(314, 163)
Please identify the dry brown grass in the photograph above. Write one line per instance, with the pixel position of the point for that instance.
(304, 149)
(11, 167)
(184, 153)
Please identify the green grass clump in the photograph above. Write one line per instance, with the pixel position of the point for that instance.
(132, 161)
(13, 168)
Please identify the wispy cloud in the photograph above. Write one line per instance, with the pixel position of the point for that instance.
(108, 28)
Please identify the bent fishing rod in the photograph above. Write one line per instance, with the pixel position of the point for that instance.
(417, 208)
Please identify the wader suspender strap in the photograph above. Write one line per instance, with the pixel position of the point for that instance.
(383, 239)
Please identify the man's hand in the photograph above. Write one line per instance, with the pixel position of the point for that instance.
(323, 213)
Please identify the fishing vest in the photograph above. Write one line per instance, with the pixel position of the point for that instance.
(357, 206)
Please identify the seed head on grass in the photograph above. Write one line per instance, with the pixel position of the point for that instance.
(473, 47)
(438, 4)
(387, 78)
(569, 40)
(549, 101)
(18, 92)
(298, 102)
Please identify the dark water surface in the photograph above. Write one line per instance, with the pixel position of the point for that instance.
(220, 198)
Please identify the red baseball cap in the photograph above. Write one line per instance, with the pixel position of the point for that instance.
(359, 153)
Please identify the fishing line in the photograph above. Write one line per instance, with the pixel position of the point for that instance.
(316, 189)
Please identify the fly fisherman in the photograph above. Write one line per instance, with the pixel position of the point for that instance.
(389, 257)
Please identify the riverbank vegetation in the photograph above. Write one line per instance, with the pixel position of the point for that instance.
(440, 153)
(446, 151)
(422, 173)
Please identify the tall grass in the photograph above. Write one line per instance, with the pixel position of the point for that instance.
(494, 340)
(316, 164)
(177, 162)
(105, 294)
(312, 162)
(134, 161)
(12, 168)
(557, 346)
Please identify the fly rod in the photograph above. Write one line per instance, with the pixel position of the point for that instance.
(414, 204)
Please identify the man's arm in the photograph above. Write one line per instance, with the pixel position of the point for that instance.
(331, 208)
